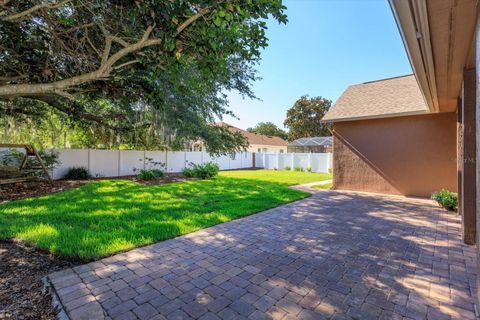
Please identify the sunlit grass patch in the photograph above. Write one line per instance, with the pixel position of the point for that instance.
(324, 186)
(109, 216)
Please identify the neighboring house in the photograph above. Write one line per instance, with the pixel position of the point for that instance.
(257, 142)
(386, 141)
(311, 145)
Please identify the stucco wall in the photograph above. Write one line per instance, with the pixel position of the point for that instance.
(413, 155)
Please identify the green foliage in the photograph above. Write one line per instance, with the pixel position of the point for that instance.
(298, 169)
(77, 173)
(287, 168)
(181, 57)
(149, 174)
(269, 129)
(309, 169)
(118, 215)
(303, 119)
(202, 171)
(447, 199)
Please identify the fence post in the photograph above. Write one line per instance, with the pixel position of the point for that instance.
(264, 160)
(278, 161)
(118, 162)
(310, 161)
(184, 159)
(166, 160)
(88, 162)
(293, 162)
(144, 157)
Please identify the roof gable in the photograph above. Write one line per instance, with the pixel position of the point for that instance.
(254, 138)
(378, 99)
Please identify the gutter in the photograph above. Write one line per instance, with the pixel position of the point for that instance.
(412, 22)
(380, 116)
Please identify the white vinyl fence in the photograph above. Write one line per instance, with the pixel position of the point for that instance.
(318, 162)
(117, 163)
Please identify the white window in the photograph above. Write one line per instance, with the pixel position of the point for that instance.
(264, 150)
(281, 150)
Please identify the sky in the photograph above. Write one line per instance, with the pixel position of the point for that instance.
(326, 46)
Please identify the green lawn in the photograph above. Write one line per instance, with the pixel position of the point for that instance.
(108, 216)
(278, 176)
(324, 186)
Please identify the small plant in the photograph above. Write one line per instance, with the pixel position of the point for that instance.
(447, 199)
(149, 174)
(309, 169)
(77, 173)
(299, 169)
(287, 168)
(203, 171)
(153, 169)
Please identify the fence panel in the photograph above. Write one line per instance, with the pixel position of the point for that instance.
(70, 158)
(154, 156)
(129, 161)
(318, 162)
(104, 163)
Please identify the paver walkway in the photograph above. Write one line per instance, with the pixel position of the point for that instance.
(336, 255)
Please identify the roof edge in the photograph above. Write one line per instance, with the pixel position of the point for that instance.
(381, 116)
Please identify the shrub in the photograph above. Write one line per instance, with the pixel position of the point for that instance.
(309, 169)
(287, 168)
(203, 171)
(149, 174)
(299, 169)
(447, 199)
(77, 173)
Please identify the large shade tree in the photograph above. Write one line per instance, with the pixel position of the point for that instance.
(304, 118)
(269, 129)
(158, 66)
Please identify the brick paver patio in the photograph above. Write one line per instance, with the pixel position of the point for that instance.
(336, 255)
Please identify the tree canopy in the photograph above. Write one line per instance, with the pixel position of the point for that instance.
(159, 67)
(303, 118)
(269, 129)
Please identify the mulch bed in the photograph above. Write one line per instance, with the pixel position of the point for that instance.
(29, 189)
(21, 273)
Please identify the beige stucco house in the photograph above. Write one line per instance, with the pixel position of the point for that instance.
(260, 143)
(257, 142)
(385, 140)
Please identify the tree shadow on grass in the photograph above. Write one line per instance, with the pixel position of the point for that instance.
(106, 217)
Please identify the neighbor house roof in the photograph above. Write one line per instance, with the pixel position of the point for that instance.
(254, 138)
(311, 141)
(378, 99)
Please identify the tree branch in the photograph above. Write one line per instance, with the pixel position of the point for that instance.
(192, 19)
(28, 12)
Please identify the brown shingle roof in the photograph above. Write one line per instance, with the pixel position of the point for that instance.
(378, 99)
(254, 138)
